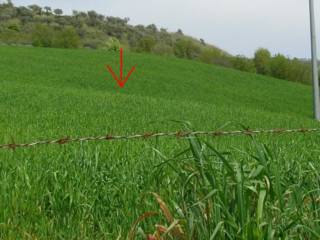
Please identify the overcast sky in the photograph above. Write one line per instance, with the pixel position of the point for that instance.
(237, 26)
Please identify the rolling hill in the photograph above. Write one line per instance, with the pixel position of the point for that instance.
(94, 190)
(48, 86)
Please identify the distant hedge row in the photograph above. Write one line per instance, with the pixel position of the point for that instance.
(44, 27)
(277, 66)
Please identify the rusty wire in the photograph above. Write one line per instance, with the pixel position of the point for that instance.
(179, 134)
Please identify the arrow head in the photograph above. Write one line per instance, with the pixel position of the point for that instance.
(121, 82)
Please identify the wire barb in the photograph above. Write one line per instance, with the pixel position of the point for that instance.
(147, 135)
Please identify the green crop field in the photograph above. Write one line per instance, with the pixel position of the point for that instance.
(262, 187)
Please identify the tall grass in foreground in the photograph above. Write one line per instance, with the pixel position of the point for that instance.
(219, 197)
(133, 190)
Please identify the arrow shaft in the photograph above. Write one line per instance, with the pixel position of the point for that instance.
(121, 81)
(121, 64)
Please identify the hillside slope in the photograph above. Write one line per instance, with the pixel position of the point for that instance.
(46, 86)
(98, 190)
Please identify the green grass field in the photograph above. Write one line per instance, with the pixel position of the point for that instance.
(266, 187)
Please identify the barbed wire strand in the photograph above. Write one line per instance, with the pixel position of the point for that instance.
(179, 134)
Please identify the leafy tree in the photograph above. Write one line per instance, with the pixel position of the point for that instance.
(79, 14)
(262, 60)
(152, 28)
(7, 12)
(186, 48)
(280, 66)
(210, 55)
(93, 19)
(117, 21)
(35, 9)
(112, 44)
(165, 38)
(299, 71)
(146, 44)
(92, 43)
(14, 24)
(42, 36)
(9, 3)
(163, 49)
(67, 38)
(243, 64)
(47, 9)
(215, 56)
(179, 32)
(58, 12)
(24, 14)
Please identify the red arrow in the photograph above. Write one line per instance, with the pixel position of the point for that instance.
(121, 82)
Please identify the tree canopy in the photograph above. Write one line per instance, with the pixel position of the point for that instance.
(47, 27)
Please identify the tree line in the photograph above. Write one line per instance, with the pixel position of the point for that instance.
(47, 27)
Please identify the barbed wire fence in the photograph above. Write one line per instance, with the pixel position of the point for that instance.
(178, 134)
